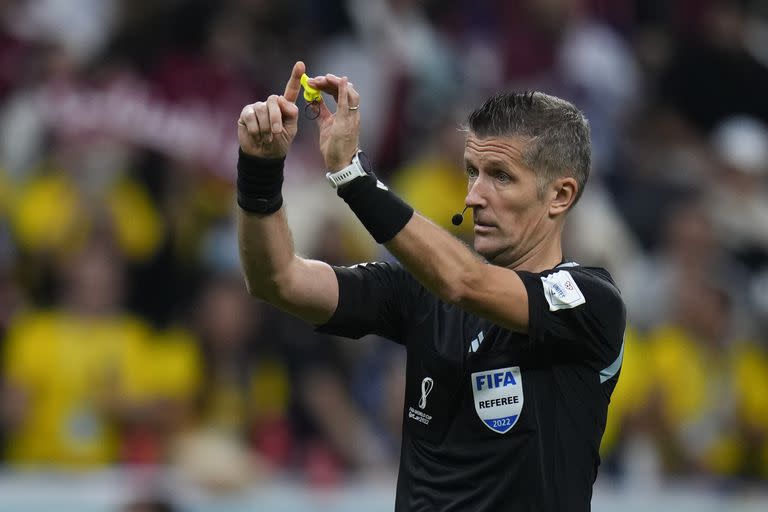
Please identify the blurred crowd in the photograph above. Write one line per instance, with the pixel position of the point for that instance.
(126, 333)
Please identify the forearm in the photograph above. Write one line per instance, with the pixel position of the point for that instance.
(438, 260)
(305, 288)
(266, 252)
(450, 270)
(273, 272)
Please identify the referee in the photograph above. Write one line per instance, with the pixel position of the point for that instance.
(513, 355)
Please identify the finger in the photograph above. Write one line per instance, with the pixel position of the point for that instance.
(321, 83)
(262, 117)
(323, 113)
(288, 109)
(293, 87)
(317, 80)
(328, 84)
(248, 121)
(290, 113)
(354, 96)
(329, 78)
(343, 101)
(275, 115)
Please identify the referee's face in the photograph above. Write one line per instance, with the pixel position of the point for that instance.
(510, 218)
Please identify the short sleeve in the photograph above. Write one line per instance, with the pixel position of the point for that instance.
(374, 298)
(580, 310)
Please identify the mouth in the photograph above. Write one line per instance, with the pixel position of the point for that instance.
(483, 227)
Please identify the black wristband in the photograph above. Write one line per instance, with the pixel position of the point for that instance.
(382, 213)
(259, 183)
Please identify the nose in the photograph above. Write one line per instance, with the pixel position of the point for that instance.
(476, 197)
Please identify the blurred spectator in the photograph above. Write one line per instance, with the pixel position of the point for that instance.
(633, 388)
(343, 389)
(694, 84)
(241, 428)
(597, 232)
(434, 181)
(69, 374)
(739, 195)
(688, 252)
(398, 61)
(82, 27)
(80, 190)
(170, 381)
(706, 414)
(247, 389)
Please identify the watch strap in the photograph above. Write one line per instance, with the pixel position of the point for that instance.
(349, 173)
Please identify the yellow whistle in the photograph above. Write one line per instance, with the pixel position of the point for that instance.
(310, 93)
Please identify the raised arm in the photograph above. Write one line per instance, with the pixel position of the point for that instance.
(438, 260)
(273, 272)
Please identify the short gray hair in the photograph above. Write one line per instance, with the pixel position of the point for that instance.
(557, 133)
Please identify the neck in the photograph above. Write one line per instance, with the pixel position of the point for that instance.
(544, 254)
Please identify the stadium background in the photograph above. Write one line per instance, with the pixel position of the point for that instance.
(134, 368)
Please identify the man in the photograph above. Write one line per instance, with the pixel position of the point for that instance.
(511, 358)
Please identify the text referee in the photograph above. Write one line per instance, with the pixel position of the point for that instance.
(512, 358)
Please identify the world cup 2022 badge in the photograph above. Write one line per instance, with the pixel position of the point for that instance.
(498, 397)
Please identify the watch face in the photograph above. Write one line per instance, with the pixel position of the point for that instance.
(364, 162)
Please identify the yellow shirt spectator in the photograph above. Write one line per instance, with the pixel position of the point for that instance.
(707, 393)
(73, 373)
(632, 389)
(51, 214)
(437, 189)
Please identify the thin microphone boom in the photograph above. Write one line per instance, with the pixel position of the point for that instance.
(459, 217)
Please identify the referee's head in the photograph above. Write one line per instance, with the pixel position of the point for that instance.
(557, 133)
(527, 157)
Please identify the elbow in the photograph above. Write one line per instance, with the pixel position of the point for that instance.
(274, 288)
(259, 289)
(453, 294)
(269, 289)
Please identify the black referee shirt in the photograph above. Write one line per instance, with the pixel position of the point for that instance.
(495, 420)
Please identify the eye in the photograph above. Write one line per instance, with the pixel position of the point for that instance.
(471, 172)
(503, 177)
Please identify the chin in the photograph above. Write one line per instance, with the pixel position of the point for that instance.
(491, 251)
(486, 250)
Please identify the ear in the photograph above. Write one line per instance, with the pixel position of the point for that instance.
(562, 193)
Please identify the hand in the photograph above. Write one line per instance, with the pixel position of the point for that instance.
(339, 131)
(266, 128)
